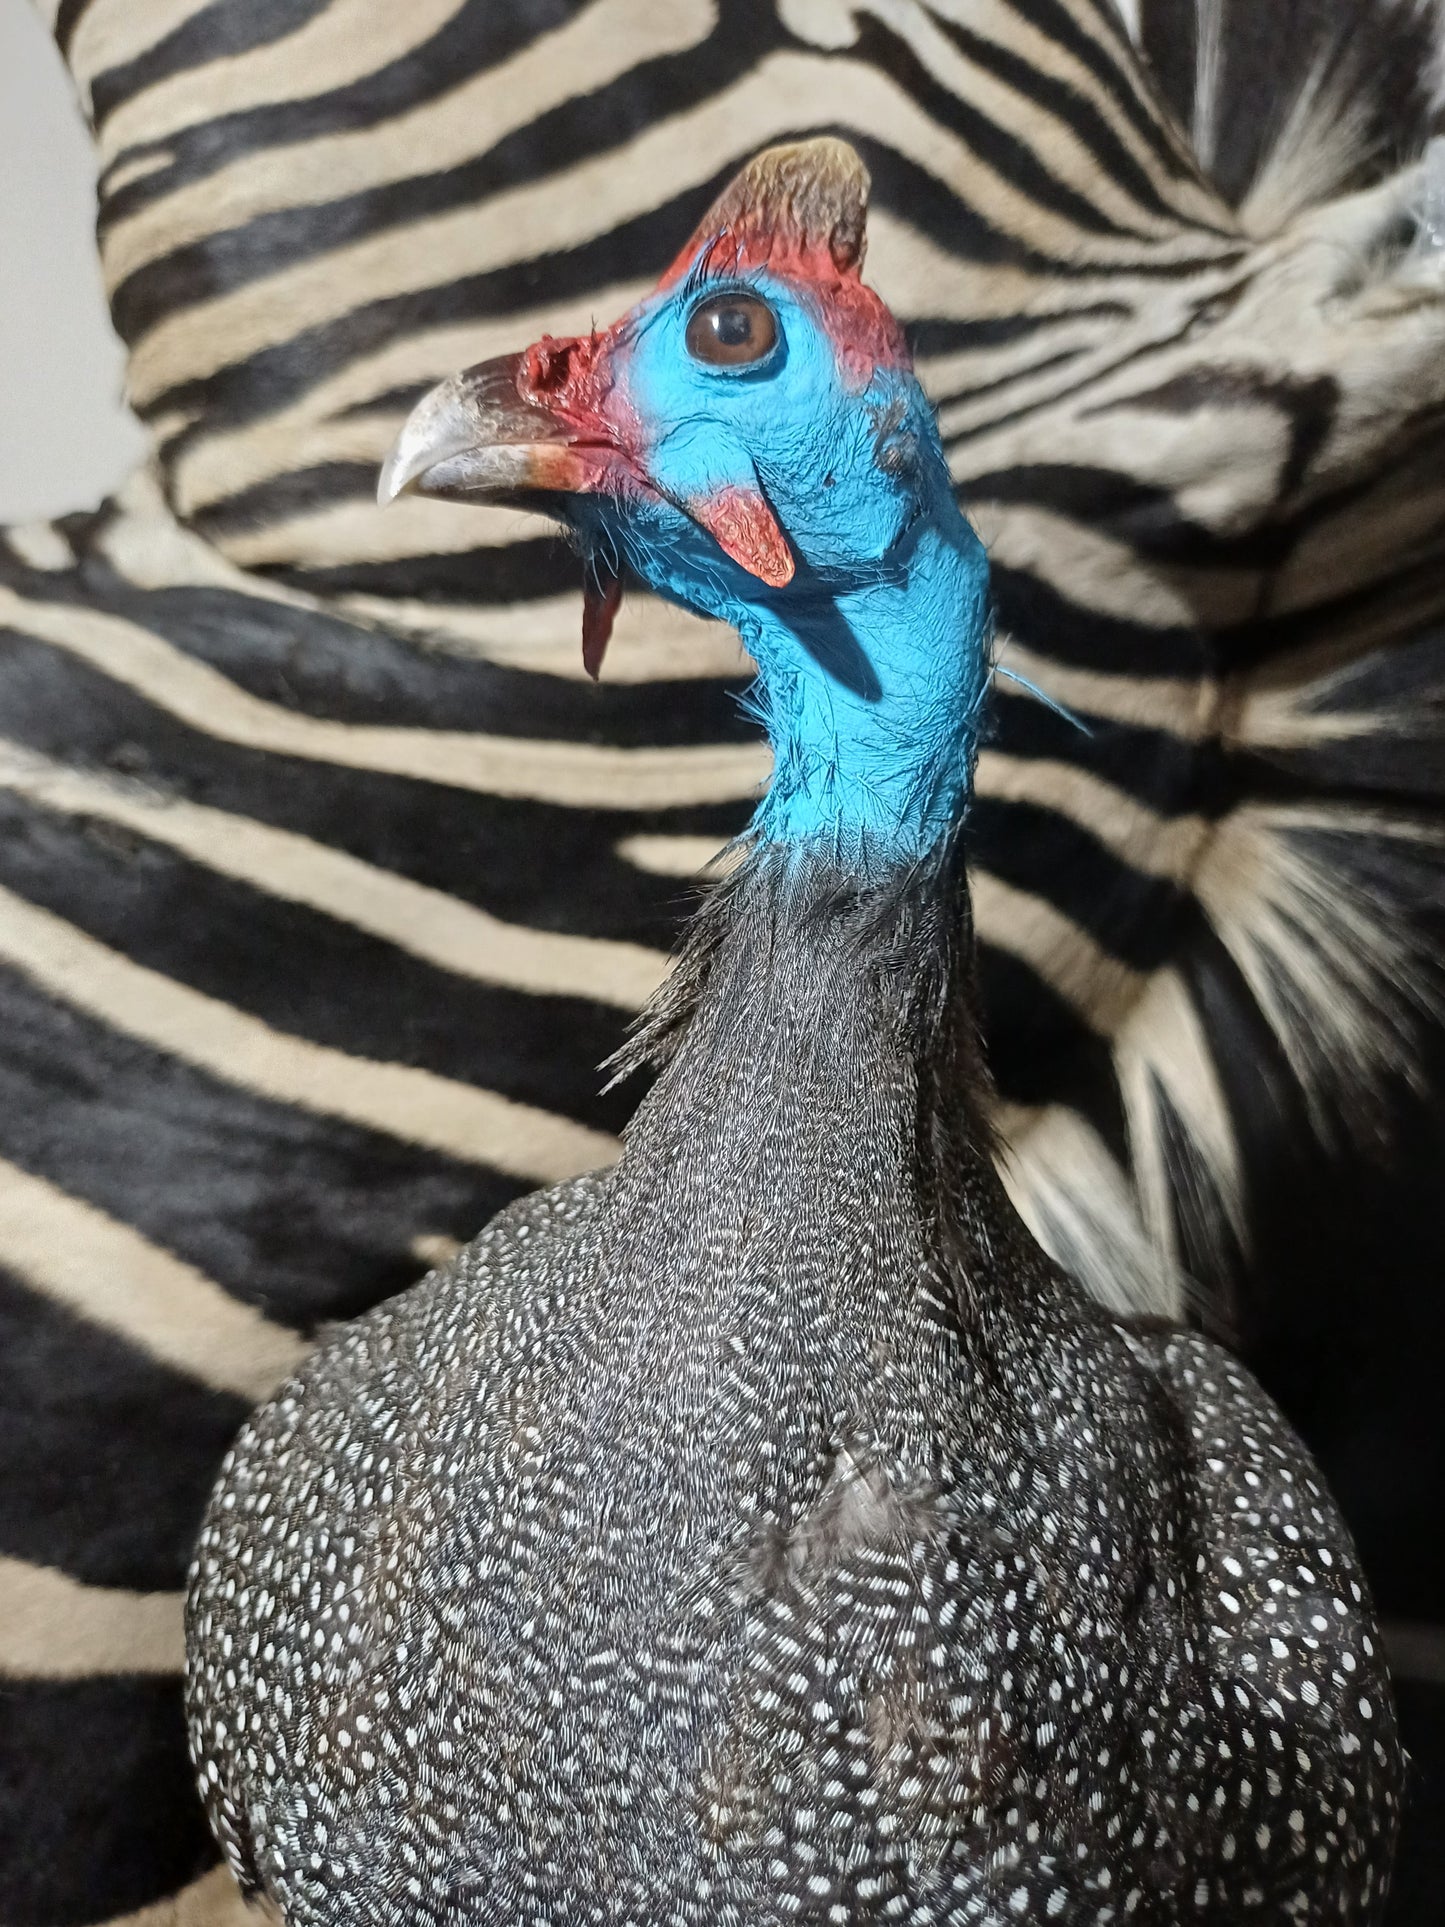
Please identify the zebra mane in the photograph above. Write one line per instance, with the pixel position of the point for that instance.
(1290, 103)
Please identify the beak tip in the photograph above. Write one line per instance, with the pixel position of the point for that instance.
(437, 427)
(397, 476)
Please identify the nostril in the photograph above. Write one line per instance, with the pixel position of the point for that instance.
(548, 364)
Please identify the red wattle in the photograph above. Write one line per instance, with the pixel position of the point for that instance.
(601, 599)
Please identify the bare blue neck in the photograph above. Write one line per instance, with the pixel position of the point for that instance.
(872, 695)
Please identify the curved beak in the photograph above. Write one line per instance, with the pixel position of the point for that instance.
(478, 438)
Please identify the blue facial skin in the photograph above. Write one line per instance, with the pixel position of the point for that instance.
(873, 661)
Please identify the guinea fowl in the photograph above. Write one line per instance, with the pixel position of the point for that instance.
(765, 1529)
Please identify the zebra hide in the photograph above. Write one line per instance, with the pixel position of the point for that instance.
(327, 881)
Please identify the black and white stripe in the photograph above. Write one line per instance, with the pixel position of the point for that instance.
(327, 878)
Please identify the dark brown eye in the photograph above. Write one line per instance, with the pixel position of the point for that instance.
(730, 330)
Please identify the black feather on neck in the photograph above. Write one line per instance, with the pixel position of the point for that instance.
(804, 988)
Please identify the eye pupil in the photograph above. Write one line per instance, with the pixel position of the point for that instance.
(731, 330)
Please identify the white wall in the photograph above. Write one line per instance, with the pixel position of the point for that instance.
(65, 435)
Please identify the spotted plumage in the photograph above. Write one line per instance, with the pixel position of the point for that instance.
(766, 1529)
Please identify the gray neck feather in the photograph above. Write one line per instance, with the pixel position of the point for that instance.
(809, 1183)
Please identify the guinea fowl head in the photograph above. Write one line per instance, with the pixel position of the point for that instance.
(751, 441)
